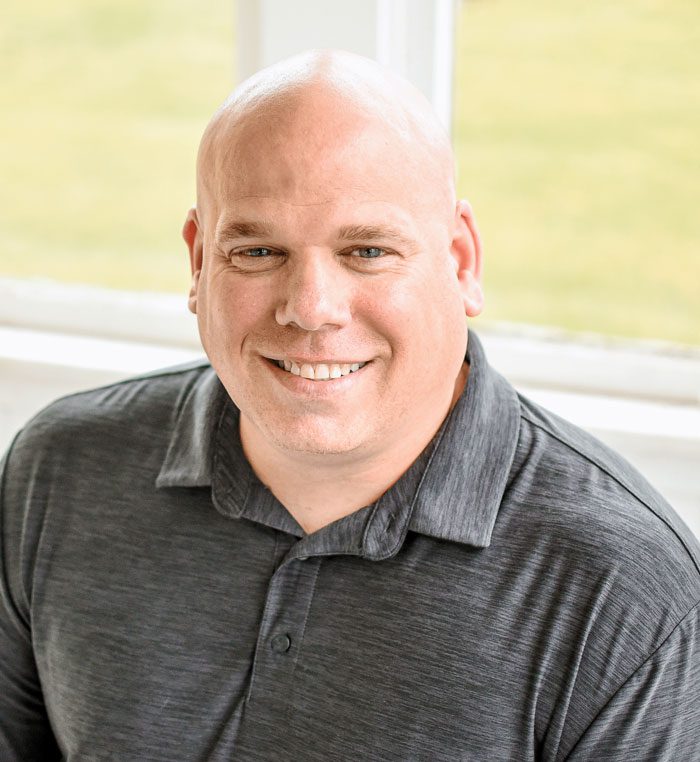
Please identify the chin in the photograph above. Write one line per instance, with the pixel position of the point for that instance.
(314, 440)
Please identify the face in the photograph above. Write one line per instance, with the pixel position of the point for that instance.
(329, 289)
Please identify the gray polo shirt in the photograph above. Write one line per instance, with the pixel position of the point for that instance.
(520, 594)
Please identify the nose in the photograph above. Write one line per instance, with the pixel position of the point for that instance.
(315, 294)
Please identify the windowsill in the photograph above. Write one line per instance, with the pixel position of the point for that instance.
(529, 356)
(643, 398)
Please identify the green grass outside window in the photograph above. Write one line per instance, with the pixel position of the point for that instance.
(576, 130)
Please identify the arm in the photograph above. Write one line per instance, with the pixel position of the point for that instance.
(655, 715)
(25, 732)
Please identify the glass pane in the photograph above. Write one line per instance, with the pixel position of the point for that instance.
(577, 128)
(103, 103)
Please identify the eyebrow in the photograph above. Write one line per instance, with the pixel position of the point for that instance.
(243, 229)
(372, 233)
(250, 229)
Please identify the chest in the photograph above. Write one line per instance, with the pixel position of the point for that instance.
(207, 647)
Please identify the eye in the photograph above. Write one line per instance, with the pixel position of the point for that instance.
(367, 252)
(255, 259)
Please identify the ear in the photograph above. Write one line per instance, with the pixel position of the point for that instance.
(193, 238)
(466, 253)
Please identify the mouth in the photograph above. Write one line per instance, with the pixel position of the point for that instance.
(321, 371)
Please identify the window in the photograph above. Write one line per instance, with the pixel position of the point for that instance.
(103, 104)
(576, 130)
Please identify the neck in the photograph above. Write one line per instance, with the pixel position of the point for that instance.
(318, 489)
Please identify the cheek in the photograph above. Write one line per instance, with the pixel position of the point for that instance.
(225, 316)
(235, 307)
(422, 317)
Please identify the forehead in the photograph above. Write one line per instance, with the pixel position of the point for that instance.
(272, 220)
(305, 169)
(319, 153)
(317, 201)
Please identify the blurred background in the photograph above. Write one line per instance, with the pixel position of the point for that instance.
(576, 129)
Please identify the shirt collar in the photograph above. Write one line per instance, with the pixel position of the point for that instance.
(190, 454)
(452, 492)
(462, 489)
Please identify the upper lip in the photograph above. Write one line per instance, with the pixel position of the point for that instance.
(312, 361)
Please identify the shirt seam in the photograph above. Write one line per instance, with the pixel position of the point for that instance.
(615, 478)
(632, 674)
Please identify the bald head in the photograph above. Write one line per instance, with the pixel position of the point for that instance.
(325, 102)
(327, 233)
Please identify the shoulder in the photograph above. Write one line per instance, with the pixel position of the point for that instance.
(104, 423)
(85, 455)
(600, 514)
(607, 563)
(151, 395)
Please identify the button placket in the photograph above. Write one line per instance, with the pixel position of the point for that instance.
(289, 596)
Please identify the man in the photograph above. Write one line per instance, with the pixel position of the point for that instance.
(348, 538)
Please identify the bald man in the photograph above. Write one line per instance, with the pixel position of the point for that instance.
(345, 537)
(315, 244)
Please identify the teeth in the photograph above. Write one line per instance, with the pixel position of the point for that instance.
(321, 371)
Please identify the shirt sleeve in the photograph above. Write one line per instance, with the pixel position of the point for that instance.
(25, 731)
(655, 715)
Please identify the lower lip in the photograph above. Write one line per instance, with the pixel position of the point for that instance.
(314, 388)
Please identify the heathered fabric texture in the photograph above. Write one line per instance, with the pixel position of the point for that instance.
(520, 594)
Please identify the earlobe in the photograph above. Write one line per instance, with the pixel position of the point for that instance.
(473, 295)
(193, 239)
(192, 298)
(466, 252)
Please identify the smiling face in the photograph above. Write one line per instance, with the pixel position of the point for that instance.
(329, 277)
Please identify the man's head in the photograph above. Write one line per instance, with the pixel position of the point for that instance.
(327, 235)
